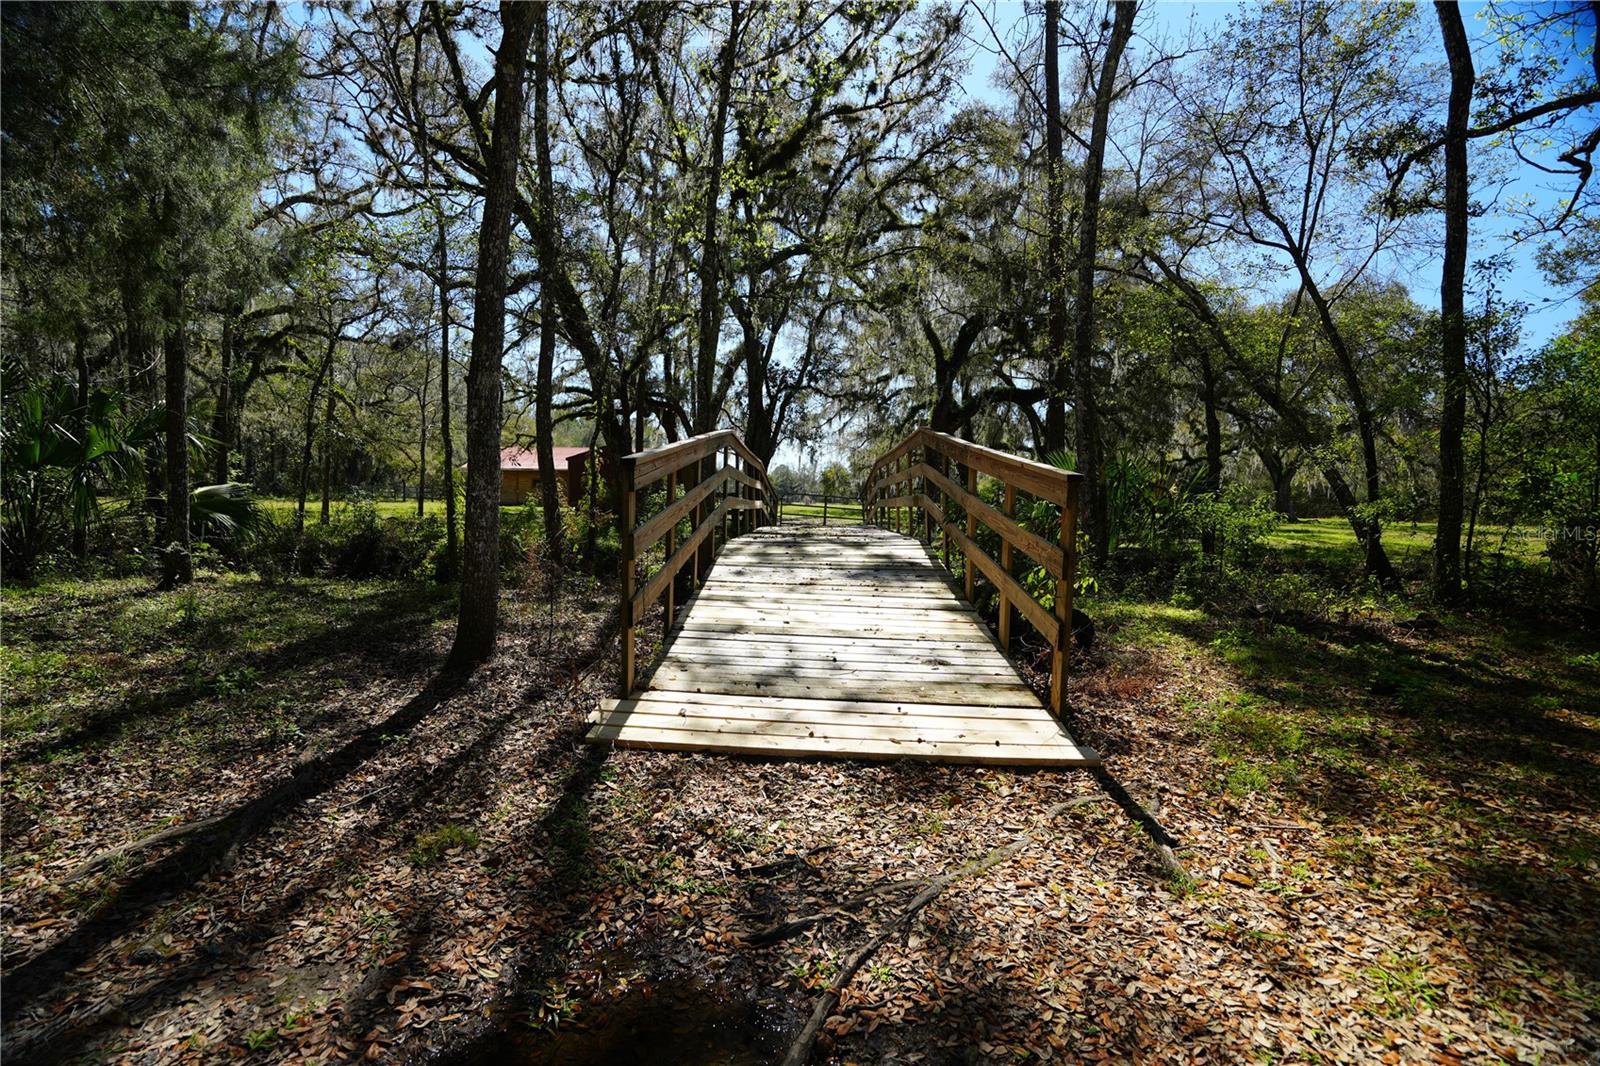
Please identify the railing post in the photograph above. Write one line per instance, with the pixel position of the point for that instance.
(700, 513)
(669, 605)
(919, 517)
(944, 513)
(1005, 564)
(630, 511)
(720, 495)
(730, 520)
(916, 516)
(903, 488)
(972, 527)
(1069, 563)
(747, 518)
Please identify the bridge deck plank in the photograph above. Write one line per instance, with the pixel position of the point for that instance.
(838, 642)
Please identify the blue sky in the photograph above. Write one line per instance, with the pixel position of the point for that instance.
(1549, 308)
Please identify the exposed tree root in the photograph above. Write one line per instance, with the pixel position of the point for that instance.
(800, 1050)
(172, 832)
(785, 863)
(784, 930)
(1161, 841)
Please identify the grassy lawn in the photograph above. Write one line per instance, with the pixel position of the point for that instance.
(1330, 540)
(847, 513)
(386, 508)
(170, 683)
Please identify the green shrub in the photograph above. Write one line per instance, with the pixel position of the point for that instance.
(604, 556)
(432, 845)
(1238, 522)
(359, 542)
(356, 542)
(521, 539)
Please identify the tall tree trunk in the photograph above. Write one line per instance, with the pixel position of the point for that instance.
(452, 547)
(758, 419)
(758, 414)
(1485, 423)
(178, 566)
(544, 388)
(1368, 526)
(592, 528)
(1281, 473)
(309, 437)
(478, 615)
(641, 399)
(1085, 411)
(222, 420)
(1059, 362)
(605, 378)
(1292, 420)
(1452, 305)
(140, 384)
(327, 457)
(544, 431)
(80, 360)
(668, 422)
(942, 419)
(422, 437)
(1213, 480)
(710, 323)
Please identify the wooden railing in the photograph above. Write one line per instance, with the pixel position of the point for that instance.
(917, 477)
(711, 463)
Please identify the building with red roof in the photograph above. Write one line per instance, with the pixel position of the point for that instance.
(519, 473)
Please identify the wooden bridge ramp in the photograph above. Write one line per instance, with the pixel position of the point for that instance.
(845, 641)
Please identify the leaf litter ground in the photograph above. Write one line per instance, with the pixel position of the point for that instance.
(1389, 835)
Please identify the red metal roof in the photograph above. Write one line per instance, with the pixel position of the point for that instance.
(515, 458)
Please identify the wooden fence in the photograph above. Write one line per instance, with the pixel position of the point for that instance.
(814, 499)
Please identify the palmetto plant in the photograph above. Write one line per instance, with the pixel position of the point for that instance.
(56, 455)
(1145, 505)
(59, 457)
(228, 509)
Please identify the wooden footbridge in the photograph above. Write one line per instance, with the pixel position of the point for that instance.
(844, 641)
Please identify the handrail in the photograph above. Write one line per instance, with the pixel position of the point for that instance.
(916, 475)
(714, 460)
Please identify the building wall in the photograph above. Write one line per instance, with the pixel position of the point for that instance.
(517, 486)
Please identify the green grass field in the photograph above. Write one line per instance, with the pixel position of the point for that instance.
(847, 513)
(1331, 538)
(386, 508)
